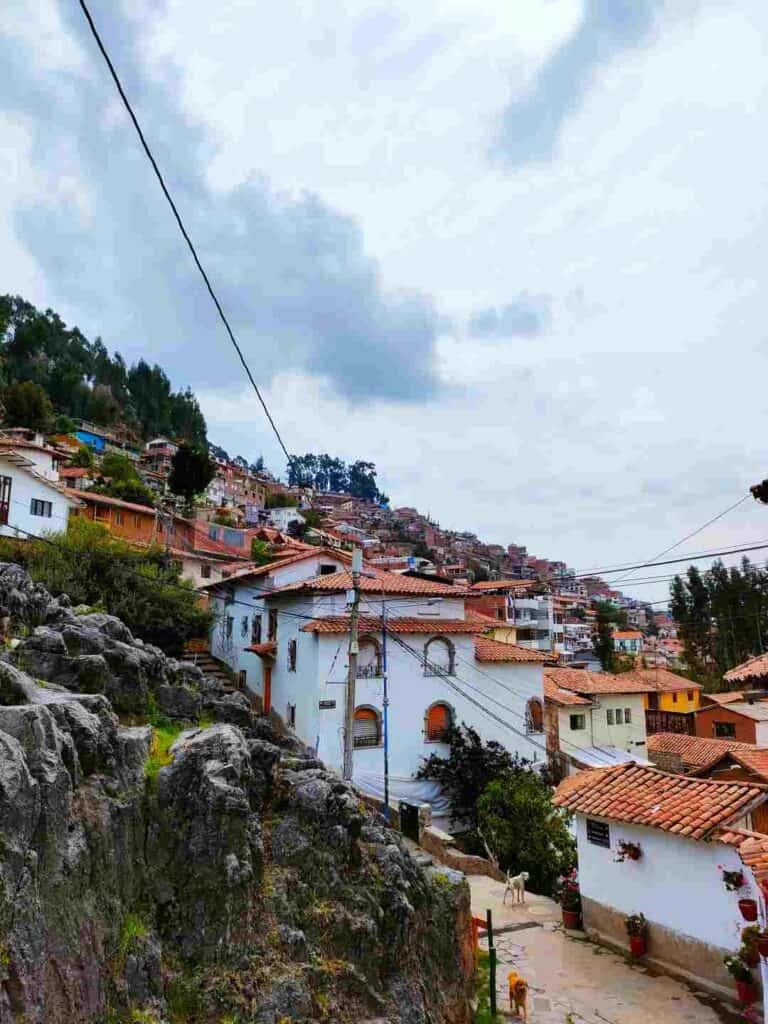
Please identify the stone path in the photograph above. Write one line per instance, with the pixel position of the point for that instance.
(567, 975)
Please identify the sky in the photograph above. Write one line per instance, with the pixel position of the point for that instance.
(512, 251)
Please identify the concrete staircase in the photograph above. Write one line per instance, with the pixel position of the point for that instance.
(214, 668)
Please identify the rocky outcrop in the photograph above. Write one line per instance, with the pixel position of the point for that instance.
(229, 877)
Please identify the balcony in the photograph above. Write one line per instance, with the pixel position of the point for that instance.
(372, 671)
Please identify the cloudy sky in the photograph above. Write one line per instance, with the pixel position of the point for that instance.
(510, 250)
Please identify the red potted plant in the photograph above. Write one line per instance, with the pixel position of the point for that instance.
(746, 989)
(748, 908)
(567, 894)
(628, 851)
(637, 929)
(749, 952)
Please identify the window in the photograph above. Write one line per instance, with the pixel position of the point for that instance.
(366, 728)
(578, 722)
(437, 722)
(205, 571)
(118, 517)
(653, 702)
(627, 716)
(241, 678)
(213, 532)
(609, 716)
(500, 613)
(598, 833)
(727, 730)
(438, 657)
(137, 521)
(41, 508)
(674, 698)
(327, 570)
(228, 629)
(369, 658)
(290, 717)
(244, 626)
(292, 655)
(619, 717)
(272, 624)
(534, 716)
(100, 512)
(256, 629)
(690, 695)
(5, 498)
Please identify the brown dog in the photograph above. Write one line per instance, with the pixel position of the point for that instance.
(518, 995)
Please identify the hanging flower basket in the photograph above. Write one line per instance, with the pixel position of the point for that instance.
(628, 851)
(748, 908)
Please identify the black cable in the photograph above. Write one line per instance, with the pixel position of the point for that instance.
(180, 223)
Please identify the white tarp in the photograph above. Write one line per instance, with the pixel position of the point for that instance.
(412, 791)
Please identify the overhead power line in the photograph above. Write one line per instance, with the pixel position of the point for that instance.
(182, 228)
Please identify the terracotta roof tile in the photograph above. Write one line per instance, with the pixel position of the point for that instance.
(567, 698)
(637, 681)
(494, 650)
(752, 668)
(252, 571)
(694, 751)
(401, 624)
(485, 585)
(640, 795)
(753, 850)
(380, 582)
(267, 649)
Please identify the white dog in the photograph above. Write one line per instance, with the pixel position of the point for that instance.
(516, 885)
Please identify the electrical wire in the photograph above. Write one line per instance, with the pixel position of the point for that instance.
(182, 228)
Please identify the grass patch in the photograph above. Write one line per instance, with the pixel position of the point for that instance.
(483, 980)
(132, 933)
(160, 755)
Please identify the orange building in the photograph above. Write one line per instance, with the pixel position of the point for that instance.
(122, 518)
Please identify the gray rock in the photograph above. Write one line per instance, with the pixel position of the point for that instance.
(143, 972)
(289, 999)
(179, 702)
(231, 708)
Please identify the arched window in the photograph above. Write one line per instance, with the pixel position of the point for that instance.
(438, 657)
(367, 728)
(534, 715)
(369, 658)
(437, 722)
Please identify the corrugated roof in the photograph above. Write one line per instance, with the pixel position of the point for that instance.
(680, 804)
(495, 650)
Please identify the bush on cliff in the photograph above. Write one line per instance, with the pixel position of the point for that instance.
(99, 570)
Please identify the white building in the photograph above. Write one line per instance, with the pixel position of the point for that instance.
(687, 831)
(440, 671)
(30, 500)
(628, 641)
(607, 714)
(281, 518)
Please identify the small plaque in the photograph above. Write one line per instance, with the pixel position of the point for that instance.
(325, 704)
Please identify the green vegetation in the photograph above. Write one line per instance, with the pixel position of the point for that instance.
(483, 980)
(192, 469)
(160, 755)
(722, 617)
(80, 379)
(95, 568)
(325, 473)
(119, 478)
(132, 934)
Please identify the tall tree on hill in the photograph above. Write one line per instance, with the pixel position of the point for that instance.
(192, 470)
(27, 405)
(608, 616)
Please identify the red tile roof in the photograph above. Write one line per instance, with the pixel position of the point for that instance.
(627, 634)
(494, 650)
(401, 624)
(252, 571)
(649, 680)
(752, 847)
(104, 499)
(74, 472)
(694, 751)
(485, 585)
(730, 697)
(566, 698)
(381, 582)
(753, 668)
(680, 804)
(754, 759)
(268, 649)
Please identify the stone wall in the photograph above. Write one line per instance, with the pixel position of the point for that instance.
(672, 952)
(442, 846)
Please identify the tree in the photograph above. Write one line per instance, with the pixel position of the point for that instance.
(280, 500)
(95, 568)
(191, 471)
(469, 767)
(525, 830)
(261, 551)
(119, 468)
(608, 616)
(27, 405)
(83, 458)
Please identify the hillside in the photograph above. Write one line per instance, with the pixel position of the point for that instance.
(195, 866)
(83, 381)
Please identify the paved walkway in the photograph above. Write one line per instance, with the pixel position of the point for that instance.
(567, 975)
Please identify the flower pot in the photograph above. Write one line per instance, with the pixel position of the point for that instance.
(748, 909)
(570, 919)
(762, 944)
(746, 991)
(637, 945)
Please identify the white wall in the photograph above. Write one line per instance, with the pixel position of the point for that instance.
(24, 488)
(410, 694)
(676, 883)
(630, 738)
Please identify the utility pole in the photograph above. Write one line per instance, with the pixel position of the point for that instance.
(354, 649)
(386, 706)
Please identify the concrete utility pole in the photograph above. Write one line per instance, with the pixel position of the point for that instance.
(354, 650)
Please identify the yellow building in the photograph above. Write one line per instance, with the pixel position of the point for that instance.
(668, 691)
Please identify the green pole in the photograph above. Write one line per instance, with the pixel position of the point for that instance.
(491, 964)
